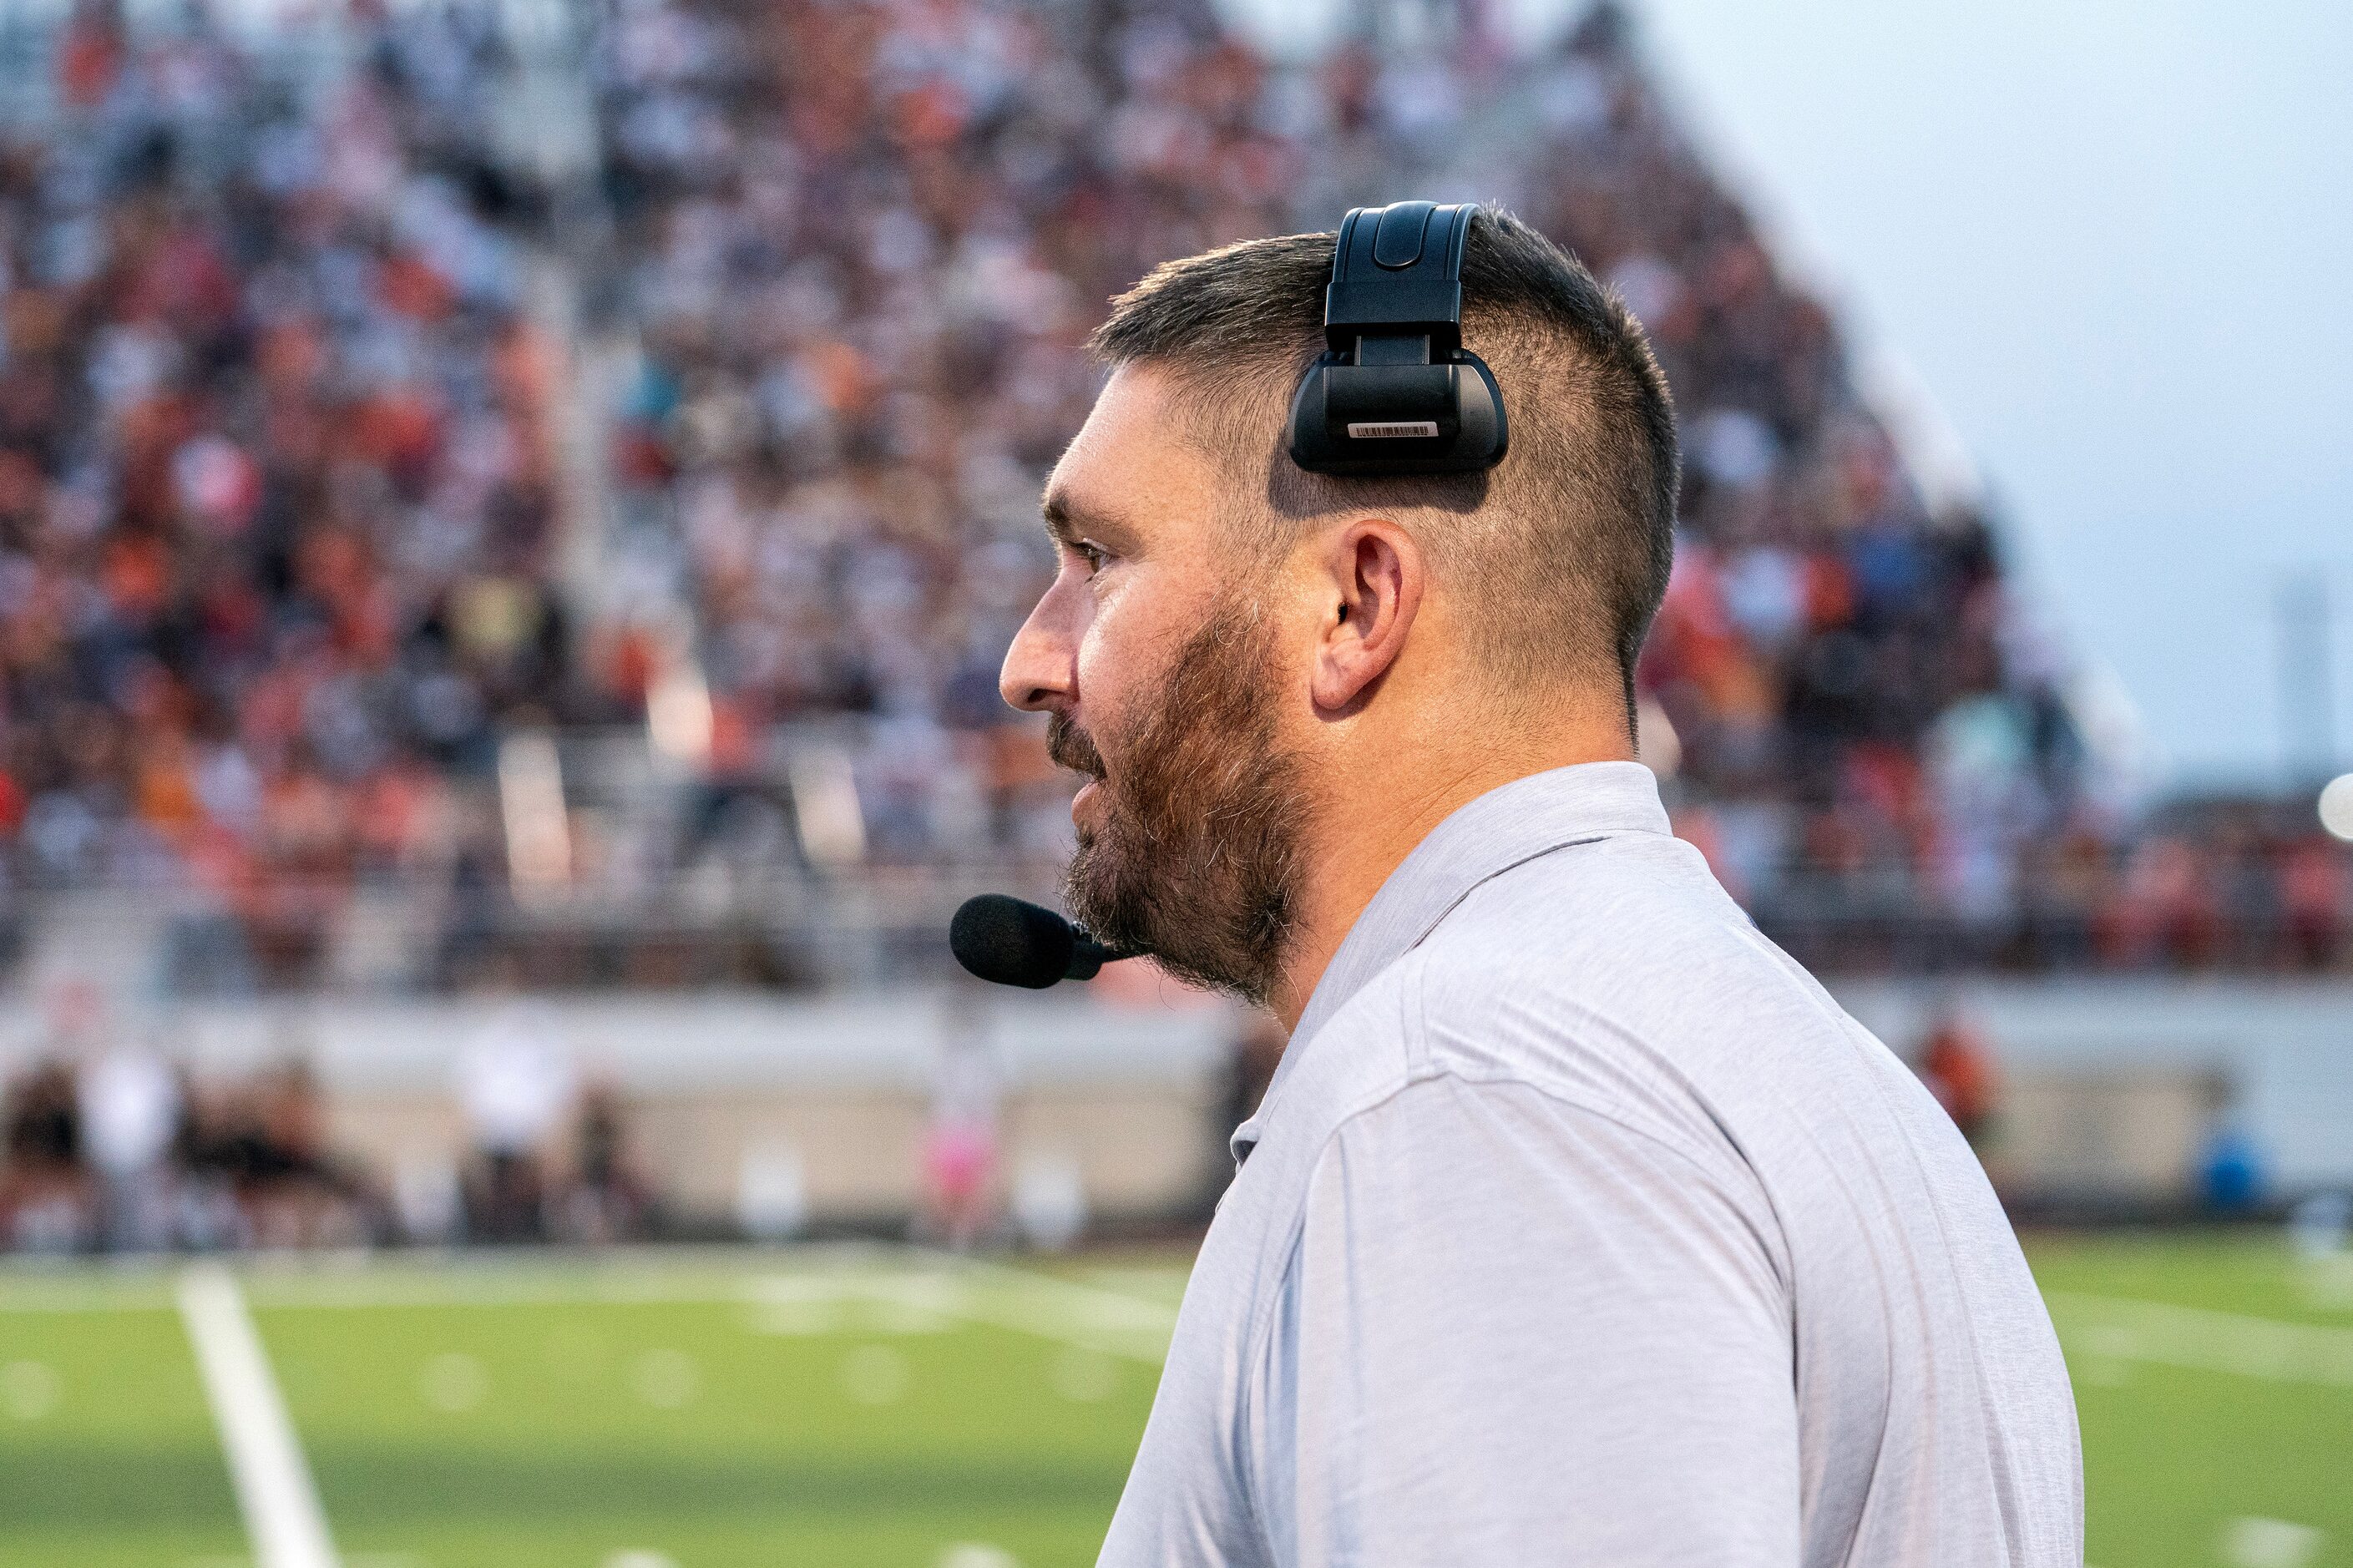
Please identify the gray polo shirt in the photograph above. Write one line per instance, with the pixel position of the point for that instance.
(1581, 1227)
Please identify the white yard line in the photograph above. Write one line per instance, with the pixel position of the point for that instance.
(2120, 1327)
(274, 1489)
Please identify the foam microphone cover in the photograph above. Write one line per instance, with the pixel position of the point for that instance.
(1012, 941)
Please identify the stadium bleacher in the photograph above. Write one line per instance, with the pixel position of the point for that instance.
(862, 303)
(278, 494)
(290, 561)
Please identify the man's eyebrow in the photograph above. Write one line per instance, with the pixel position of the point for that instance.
(1067, 523)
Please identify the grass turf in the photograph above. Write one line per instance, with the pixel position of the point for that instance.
(714, 1410)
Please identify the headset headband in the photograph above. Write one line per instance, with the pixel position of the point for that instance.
(1399, 269)
(1395, 392)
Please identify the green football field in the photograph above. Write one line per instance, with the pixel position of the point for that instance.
(853, 1407)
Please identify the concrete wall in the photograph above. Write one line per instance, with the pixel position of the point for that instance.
(841, 1089)
(1138, 1151)
(2117, 1072)
(2112, 1083)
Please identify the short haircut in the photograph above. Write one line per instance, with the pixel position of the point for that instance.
(1561, 552)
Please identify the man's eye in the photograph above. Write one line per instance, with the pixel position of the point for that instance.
(1091, 554)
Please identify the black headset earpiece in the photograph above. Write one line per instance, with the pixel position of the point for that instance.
(1395, 392)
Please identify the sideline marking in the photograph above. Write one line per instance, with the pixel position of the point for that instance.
(800, 1290)
(972, 1289)
(2121, 1328)
(274, 1487)
(1088, 1316)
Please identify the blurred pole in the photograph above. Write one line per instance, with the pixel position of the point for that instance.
(532, 809)
(2308, 691)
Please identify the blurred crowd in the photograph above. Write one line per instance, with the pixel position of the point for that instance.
(111, 1142)
(275, 493)
(108, 1144)
(283, 520)
(123, 1151)
(865, 242)
(863, 245)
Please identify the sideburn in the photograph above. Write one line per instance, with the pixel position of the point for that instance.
(1197, 859)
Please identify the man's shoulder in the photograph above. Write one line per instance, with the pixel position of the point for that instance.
(1616, 977)
(1628, 946)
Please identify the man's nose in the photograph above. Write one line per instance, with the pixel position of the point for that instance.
(1041, 672)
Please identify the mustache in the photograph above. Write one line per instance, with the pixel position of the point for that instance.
(1071, 747)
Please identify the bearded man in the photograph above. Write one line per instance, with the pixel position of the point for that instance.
(1579, 1225)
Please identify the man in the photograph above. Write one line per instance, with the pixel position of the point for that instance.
(1579, 1225)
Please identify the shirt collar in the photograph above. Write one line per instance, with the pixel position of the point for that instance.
(1507, 826)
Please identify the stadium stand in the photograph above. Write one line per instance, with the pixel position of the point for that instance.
(864, 244)
(863, 297)
(311, 641)
(275, 474)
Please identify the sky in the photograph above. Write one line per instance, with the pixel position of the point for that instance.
(2112, 242)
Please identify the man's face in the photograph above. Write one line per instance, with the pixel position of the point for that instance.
(1164, 675)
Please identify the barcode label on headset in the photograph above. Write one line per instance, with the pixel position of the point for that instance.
(1389, 430)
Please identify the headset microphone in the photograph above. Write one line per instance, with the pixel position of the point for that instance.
(1395, 392)
(1012, 942)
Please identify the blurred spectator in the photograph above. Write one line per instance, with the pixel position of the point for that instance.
(2232, 1177)
(606, 1196)
(208, 1166)
(1256, 1052)
(293, 1191)
(515, 1083)
(46, 1203)
(960, 1143)
(128, 1099)
(1956, 1064)
(133, 1155)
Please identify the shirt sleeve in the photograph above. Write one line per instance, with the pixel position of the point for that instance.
(1517, 1333)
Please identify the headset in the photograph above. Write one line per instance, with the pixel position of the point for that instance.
(1395, 392)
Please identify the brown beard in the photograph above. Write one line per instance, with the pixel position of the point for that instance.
(1197, 859)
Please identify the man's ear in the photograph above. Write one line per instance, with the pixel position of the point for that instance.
(1374, 573)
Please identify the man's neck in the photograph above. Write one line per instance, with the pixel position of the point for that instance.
(1365, 833)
